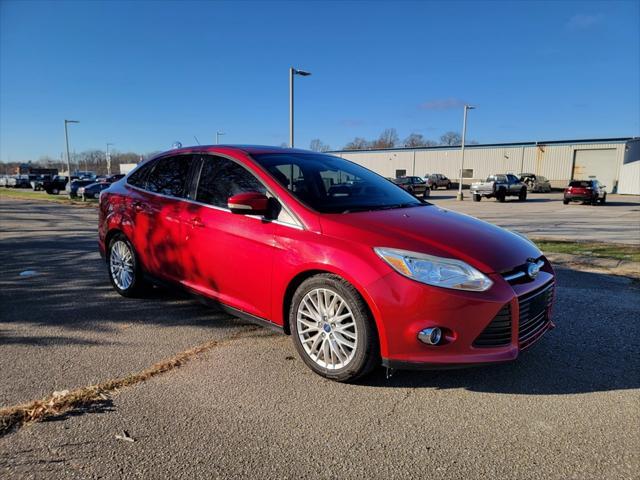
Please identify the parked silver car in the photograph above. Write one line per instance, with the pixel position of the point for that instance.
(535, 183)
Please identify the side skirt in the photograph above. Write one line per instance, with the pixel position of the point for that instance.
(263, 322)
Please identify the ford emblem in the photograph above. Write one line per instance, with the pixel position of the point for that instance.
(532, 270)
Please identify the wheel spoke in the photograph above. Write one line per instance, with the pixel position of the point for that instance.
(326, 328)
(341, 339)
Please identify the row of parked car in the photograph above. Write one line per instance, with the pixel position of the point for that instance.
(501, 186)
(86, 187)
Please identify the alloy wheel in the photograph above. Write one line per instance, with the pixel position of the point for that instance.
(121, 265)
(327, 329)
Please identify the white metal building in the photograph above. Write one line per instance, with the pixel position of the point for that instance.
(613, 161)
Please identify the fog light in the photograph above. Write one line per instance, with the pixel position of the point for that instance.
(430, 336)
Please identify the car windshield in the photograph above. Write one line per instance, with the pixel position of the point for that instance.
(330, 184)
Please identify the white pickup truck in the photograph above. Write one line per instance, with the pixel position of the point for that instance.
(499, 187)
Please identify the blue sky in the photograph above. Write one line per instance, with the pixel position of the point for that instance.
(143, 74)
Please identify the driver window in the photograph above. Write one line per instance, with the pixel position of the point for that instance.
(221, 178)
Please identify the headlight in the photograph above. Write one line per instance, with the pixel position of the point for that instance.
(436, 271)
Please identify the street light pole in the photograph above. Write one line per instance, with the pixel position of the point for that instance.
(292, 72)
(464, 134)
(66, 138)
(218, 137)
(108, 159)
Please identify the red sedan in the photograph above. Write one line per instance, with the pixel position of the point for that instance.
(358, 271)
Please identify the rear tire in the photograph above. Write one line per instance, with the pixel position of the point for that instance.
(501, 196)
(565, 201)
(332, 329)
(55, 191)
(477, 198)
(603, 199)
(125, 272)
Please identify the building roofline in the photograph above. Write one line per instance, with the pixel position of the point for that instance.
(491, 145)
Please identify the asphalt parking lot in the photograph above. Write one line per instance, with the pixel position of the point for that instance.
(543, 215)
(568, 408)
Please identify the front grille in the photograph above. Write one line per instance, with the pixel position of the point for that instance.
(498, 332)
(533, 313)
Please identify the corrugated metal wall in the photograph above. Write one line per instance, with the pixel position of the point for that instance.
(552, 161)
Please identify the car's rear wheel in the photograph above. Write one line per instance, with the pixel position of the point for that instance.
(55, 191)
(565, 201)
(332, 328)
(603, 199)
(501, 196)
(124, 269)
(476, 197)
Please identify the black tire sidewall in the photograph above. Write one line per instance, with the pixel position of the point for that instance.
(367, 352)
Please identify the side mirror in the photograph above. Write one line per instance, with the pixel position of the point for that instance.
(249, 203)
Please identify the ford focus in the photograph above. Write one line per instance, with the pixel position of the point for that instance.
(358, 271)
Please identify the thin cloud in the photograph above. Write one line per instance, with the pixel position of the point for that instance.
(442, 104)
(581, 21)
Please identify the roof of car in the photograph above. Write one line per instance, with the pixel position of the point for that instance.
(250, 149)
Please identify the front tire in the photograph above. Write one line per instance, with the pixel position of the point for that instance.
(603, 199)
(332, 329)
(522, 196)
(125, 273)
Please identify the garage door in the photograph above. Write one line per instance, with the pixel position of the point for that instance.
(598, 164)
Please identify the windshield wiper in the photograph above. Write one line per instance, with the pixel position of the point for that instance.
(370, 208)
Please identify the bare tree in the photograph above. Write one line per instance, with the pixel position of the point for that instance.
(318, 146)
(414, 140)
(357, 143)
(451, 139)
(388, 139)
(430, 143)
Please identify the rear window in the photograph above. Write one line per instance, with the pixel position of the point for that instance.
(580, 184)
(169, 176)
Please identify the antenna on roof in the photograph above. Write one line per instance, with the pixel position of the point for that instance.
(197, 141)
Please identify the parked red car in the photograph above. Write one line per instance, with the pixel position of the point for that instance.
(357, 270)
(588, 191)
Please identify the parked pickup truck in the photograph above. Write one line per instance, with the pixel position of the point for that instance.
(499, 187)
(56, 185)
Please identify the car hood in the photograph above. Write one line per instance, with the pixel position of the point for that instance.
(436, 231)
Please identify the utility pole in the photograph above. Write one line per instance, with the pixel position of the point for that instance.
(108, 158)
(464, 134)
(66, 138)
(292, 72)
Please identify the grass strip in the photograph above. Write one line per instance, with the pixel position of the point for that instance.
(23, 194)
(14, 417)
(591, 249)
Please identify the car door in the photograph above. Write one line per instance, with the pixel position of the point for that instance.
(513, 184)
(230, 255)
(165, 208)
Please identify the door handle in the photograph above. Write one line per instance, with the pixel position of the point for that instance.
(196, 222)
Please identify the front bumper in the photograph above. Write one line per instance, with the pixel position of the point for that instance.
(406, 307)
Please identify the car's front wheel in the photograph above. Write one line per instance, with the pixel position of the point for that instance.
(522, 196)
(332, 328)
(125, 272)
